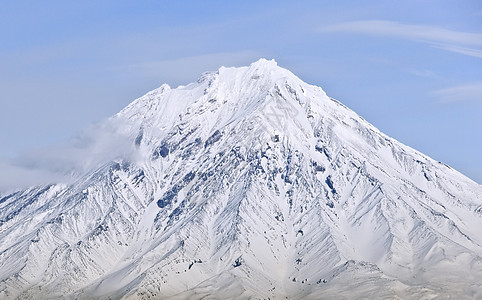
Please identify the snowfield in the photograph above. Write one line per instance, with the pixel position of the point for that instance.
(248, 183)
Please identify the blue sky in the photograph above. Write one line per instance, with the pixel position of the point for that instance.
(411, 68)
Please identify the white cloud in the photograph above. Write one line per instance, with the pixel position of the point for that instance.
(466, 92)
(64, 162)
(458, 49)
(421, 72)
(456, 41)
(14, 176)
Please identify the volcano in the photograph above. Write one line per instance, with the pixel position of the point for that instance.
(247, 184)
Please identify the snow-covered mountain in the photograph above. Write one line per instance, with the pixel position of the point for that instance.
(248, 183)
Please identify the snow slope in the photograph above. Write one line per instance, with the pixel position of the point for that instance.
(248, 183)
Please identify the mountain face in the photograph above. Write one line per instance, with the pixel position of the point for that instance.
(248, 183)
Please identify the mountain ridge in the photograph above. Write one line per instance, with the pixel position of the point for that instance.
(247, 183)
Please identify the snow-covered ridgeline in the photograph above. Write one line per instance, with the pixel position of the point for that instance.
(247, 183)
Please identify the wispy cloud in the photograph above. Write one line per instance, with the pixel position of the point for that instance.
(421, 72)
(64, 162)
(466, 92)
(458, 49)
(466, 43)
(14, 176)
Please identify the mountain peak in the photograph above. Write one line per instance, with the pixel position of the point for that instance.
(248, 183)
(265, 63)
(262, 68)
(261, 65)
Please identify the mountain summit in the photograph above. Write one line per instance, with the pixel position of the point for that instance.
(248, 183)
